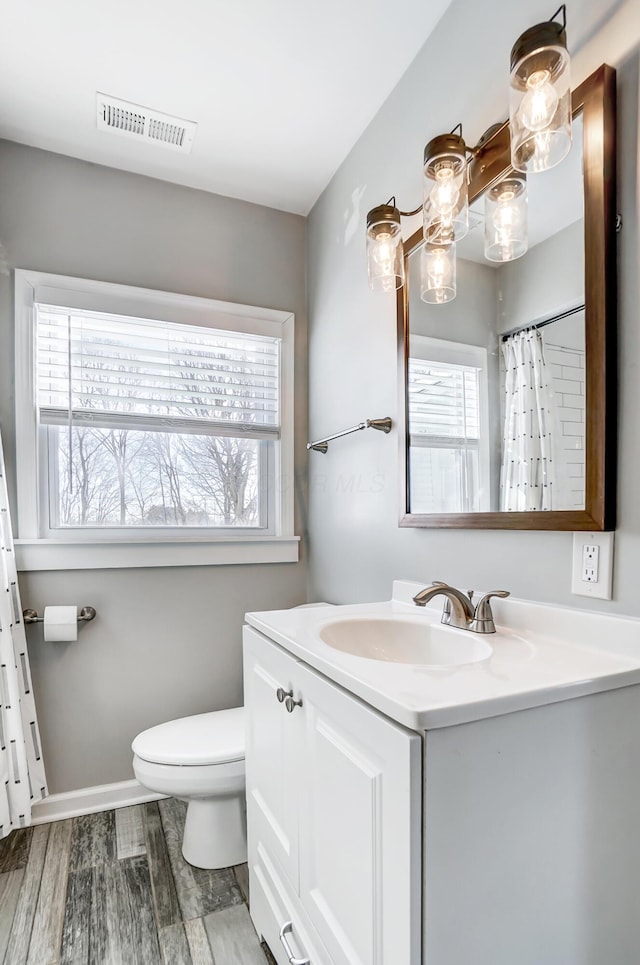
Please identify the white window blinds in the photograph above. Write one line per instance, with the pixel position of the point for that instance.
(108, 370)
(443, 404)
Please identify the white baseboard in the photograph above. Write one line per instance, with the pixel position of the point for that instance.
(88, 800)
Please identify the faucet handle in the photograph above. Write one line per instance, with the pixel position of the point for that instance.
(500, 593)
(483, 619)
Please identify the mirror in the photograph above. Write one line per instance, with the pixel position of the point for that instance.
(506, 390)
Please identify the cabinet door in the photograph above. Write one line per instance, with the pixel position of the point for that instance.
(273, 907)
(360, 826)
(271, 754)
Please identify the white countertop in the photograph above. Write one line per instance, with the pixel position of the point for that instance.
(548, 654)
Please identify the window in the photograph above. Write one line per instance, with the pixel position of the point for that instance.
(150, 423)
(448, 427)
(150, 417)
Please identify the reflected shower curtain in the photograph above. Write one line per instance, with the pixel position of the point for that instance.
(22, 777)
(528, 472)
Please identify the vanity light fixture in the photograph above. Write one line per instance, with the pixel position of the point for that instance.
(505, 219)
(540, 137)
(385, 251)
(437, 273)
(540, 96)
(446, 195)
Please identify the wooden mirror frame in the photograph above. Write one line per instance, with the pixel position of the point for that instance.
(595, 99)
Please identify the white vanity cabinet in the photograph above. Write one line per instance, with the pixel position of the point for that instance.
(334, 818)
(502, 795)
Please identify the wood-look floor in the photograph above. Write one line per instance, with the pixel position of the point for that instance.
(113, 889)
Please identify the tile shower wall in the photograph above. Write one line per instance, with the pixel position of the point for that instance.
(568, 381)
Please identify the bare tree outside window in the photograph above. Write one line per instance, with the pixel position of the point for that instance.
(155, 408)
(156, 479)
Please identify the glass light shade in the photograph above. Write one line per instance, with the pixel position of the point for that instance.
(506, 220)
(385, 251)
(540, 99)
(437, 274)
(446, 195)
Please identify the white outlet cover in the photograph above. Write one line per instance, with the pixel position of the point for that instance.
(602, 588)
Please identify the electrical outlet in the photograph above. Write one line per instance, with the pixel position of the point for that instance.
(592, 565)
(590, 555)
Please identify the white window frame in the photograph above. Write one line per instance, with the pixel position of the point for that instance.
(86, 550)
(437, 350)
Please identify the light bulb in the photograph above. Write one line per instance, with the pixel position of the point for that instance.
(385, 254)
(445, 195)
(438, 274)
(505, 220)
(506, 216)
(440, 268)
(542, 145)
(540, 102)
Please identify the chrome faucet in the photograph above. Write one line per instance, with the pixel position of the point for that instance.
(458, 610)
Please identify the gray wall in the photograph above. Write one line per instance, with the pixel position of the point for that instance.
(356, 546)
(167, 642)
(470, 318)
(548, 279)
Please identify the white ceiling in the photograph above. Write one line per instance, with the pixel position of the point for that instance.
(281, 89)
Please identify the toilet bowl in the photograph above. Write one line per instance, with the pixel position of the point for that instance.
(200, 760)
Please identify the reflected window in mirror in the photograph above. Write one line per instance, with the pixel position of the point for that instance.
(448, 426)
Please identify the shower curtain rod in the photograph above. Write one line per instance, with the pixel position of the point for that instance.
(534, 326)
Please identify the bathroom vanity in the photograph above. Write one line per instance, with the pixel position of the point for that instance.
(419, 794)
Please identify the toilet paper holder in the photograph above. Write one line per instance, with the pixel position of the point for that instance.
(86, 613)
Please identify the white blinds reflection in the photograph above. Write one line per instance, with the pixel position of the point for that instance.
(444, 403)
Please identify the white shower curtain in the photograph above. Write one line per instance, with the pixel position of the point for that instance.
(22, 777)
(528, 471)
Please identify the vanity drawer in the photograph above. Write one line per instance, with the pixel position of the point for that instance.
(273, 907)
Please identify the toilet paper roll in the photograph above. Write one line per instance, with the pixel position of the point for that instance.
(60, 623)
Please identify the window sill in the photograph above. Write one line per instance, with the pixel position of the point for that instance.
(50, 554)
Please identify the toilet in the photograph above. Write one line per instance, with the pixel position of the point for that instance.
(200, 760)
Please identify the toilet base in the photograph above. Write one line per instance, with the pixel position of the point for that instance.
(215, 832)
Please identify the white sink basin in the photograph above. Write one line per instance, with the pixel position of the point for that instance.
(405, 640)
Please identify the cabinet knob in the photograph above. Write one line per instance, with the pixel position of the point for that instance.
(281, 694)
(291, 704)
(286, 929)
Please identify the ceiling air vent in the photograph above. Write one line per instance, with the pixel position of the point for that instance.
(142, 124)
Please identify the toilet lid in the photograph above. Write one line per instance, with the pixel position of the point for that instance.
(215, 738)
